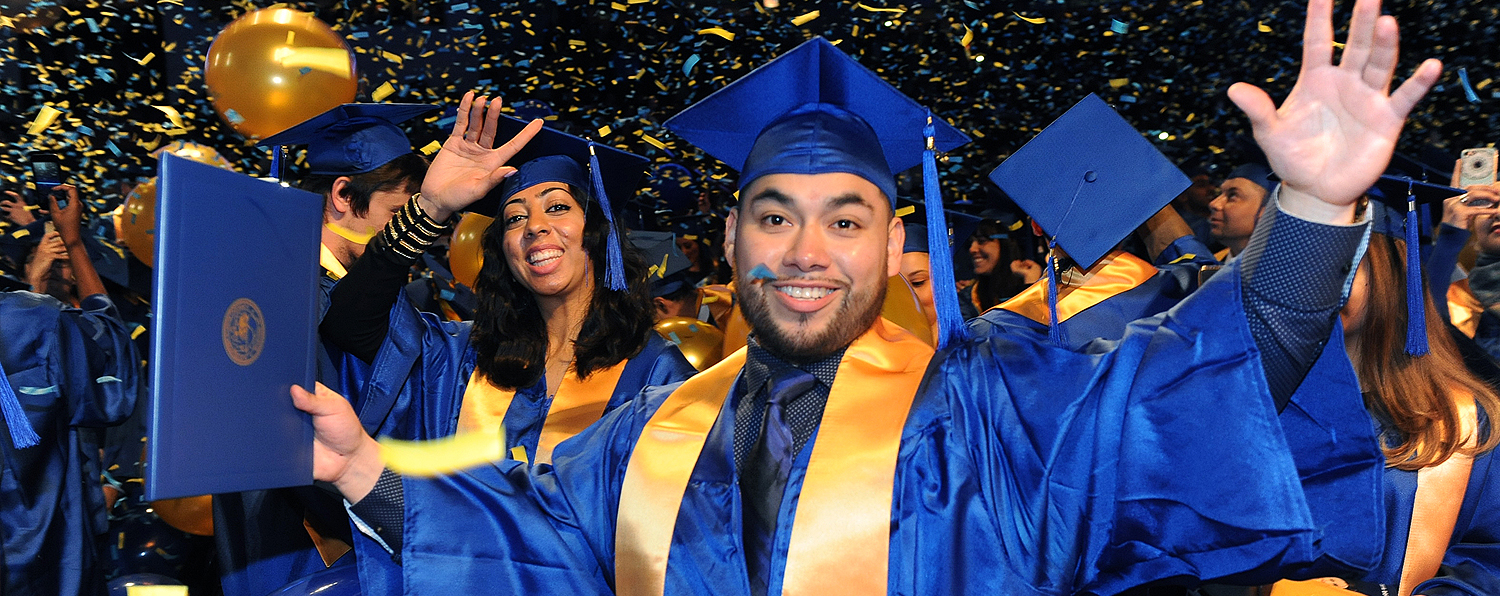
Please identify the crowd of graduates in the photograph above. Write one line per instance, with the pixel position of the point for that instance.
(1207, 394)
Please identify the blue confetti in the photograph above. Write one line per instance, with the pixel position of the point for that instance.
(687, 66)
(233, 117)
(359, 34)
(761, 271)
(1463, 78)
(1118, 27)
(673, 336)
(1127, 98)
(93, 27)
(108, 144)
(446, 122)
(304, 70)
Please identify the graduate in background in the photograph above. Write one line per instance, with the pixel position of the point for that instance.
(999, 464)
(66, 369)
(363, 166)
(563, 330)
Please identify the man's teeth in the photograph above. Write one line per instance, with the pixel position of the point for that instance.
(801, 293)
(543, 255)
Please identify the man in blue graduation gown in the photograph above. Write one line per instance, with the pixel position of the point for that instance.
(836, 455)
(66, 371)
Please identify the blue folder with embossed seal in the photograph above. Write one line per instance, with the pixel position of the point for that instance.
(235, 310)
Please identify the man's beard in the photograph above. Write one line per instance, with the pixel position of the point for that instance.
(854, 314)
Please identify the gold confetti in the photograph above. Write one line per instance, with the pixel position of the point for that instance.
(383, 91)
(864, 6)
(44, 118)
(391, 57)
(968, 37)
(605, 130)
(432, 148)
(719, 31)
(1118, 83)
(173, 115)
(662, 269)
(618, 6)
(576, 43)
(653, 141)
(1035, 21)
(1262, 27)
(905, 211)
(799, 21)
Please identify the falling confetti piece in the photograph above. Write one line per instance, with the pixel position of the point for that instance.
(687, 65)
(863, 6)
(172, 115)
(968, 37)
(1463, 79)
(905, 211)
(762, 272)
(44, 119)
(431, 148)
(146, 59)
(1035, 21)
(1262, 27)
(804, 19)
(383, 91)
(1118, 83)
(1119, 26)
(605, 130)
(652, 140)
(719, 31)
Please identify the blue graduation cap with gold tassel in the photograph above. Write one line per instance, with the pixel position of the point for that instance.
(815, 110)
(1089, 179)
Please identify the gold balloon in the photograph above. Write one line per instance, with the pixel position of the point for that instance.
(276, 67)
(466, 255)
(702, 344)
(138, 222)
(194, 515)
(902, 308)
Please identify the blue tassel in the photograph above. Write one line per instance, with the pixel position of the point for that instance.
(1416, 313)
(1054, 326)
(945, 299)
(21, 433)
(614, 273)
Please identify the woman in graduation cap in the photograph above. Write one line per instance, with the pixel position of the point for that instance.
(1435, 416)
(563, 330)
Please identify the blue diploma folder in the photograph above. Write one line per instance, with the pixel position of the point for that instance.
(236, 299)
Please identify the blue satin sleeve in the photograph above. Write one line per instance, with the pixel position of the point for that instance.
(102, 365)
(1186, 250)
(1159, 457)
(1446, 246)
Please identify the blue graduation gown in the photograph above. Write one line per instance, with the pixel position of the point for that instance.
(73, 370)
(416, 384)
(1024, 468)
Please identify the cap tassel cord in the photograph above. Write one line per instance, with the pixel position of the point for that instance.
(1416, 313)
(614, 273)
(945, 301)
(1054, 326)
(21, 433)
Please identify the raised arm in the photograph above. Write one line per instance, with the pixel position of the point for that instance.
(1328, 142)
(463, 172)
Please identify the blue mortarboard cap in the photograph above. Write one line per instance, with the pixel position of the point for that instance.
(815, 110)
(610, 175)
(1393, 212)
(1089, 179)
(1258, 173)
(660, 250)
(353, 138)
(914, 216)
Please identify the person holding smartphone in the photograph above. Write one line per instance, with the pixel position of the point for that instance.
(64, 370)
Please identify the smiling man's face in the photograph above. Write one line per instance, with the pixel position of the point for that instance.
(830, 241)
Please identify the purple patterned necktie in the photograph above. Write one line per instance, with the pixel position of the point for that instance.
(766, 470)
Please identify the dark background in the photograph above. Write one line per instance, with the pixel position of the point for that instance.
(626, 68)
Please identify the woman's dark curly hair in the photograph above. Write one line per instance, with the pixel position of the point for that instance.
(510, 335)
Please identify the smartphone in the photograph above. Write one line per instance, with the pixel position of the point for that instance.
(1477, 167)
(46, 174)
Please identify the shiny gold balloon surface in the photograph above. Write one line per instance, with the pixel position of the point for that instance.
(902, 308)
(276, 67)
(467, 253)
(194, 515)
(138, 222)
(702, 344)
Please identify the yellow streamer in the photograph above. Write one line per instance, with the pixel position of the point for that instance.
(44, 118)
(172, 114)
(383, 91)
(864, 6)
(426, 459)
(968, 37)
(1035, 21)
(799, 21)
(719, 31)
